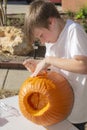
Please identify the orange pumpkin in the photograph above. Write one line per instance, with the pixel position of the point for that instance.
(46, 99)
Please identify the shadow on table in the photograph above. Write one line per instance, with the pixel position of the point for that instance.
(3, 121)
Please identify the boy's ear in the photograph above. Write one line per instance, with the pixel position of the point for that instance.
(51, 22)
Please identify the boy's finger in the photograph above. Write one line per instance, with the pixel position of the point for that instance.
(33, 75)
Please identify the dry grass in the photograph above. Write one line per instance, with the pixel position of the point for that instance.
(7, 93)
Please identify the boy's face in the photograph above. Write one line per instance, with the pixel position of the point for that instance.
(47, 35)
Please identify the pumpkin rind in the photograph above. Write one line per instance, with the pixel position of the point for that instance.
(46, 100)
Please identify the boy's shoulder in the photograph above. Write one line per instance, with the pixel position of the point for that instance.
(70, 24)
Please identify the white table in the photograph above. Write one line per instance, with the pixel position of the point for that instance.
(16, 121)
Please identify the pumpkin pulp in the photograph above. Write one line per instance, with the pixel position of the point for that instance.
(37, 103)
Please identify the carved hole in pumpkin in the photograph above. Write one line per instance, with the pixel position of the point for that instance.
(37, 101)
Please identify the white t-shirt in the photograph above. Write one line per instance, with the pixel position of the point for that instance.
(72, 41)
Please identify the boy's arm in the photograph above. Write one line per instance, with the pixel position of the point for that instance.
(78, 64)
(81, 57)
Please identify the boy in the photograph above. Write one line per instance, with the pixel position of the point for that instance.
(66, 43)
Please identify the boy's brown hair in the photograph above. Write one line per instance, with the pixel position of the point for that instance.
(39, 13)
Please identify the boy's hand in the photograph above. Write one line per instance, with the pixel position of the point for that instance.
(42, 65)
(30, 64)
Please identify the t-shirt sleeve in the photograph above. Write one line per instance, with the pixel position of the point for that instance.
(78, 41)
